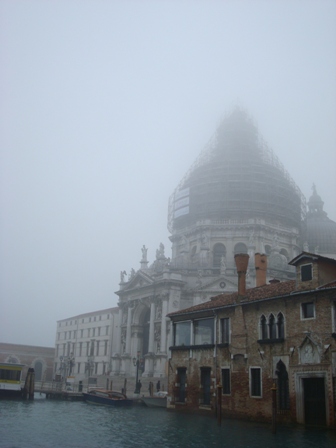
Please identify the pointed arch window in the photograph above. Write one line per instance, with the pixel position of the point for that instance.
(263, 328)
(272, 327)
(281, 326)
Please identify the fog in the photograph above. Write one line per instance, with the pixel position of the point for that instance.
(104, 107)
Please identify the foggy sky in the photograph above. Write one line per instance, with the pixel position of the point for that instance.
(104, 107)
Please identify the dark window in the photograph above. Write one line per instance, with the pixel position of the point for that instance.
(306, 272)
(181, 388)
(255, 382)
(283, 386)
(263, 327)
(272, 327)
(308, 310)
(204, 331)
(226, 383)
(225, 327)
(281, 328)
(205, 385)
(182, 333)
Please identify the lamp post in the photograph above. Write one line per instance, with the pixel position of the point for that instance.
(138, 363)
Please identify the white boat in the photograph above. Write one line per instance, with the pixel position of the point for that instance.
(158, 400)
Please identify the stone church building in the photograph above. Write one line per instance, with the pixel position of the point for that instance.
(236, 198)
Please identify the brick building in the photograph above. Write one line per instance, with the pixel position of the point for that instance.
(41, 359)
(281, 333)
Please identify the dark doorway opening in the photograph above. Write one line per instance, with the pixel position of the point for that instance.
(205, 383)
(182, 379)
(314, 401)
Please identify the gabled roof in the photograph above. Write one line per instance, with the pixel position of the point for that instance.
(311, 256)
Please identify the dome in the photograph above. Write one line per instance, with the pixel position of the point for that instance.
(236, 177)
(320, 230)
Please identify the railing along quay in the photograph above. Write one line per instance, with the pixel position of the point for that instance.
(59, 390)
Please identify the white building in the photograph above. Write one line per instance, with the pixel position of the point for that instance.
(84, 345)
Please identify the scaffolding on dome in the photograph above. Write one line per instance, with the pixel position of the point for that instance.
(214, 179)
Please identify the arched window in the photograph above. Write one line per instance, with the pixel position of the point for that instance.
(283, 386)
(267, 249)
(240, 248)
(263, 328)
(285, 253)
(219, 251)
(280, 324)
(272, 327)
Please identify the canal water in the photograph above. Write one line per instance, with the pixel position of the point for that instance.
(53, 424)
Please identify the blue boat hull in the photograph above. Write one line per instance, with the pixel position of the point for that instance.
(94, 399)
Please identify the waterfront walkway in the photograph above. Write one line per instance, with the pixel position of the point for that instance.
(61, 390)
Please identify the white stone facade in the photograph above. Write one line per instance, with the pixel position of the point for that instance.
(84, 345)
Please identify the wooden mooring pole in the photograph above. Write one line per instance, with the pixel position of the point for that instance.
(219, 404)
(29, 386)
(274, 408)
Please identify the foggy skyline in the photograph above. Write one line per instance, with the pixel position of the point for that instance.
(106, 105)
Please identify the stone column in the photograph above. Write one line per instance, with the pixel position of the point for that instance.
(163, 347)
(128, 334)
(117, 345)
(151, 328)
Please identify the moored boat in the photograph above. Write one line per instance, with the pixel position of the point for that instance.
(10, 380)
(158, 400)
(107, 397)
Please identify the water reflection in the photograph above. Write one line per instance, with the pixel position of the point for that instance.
(47, 423)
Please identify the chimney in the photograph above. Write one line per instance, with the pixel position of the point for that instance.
(241, 263)
(273, 281)
(260, 262)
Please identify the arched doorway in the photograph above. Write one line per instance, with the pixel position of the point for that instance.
(283, 386)
(38, 367)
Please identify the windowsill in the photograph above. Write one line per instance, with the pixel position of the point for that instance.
(207, 407)
(271, 341)
(223, 345)
(192, 347)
